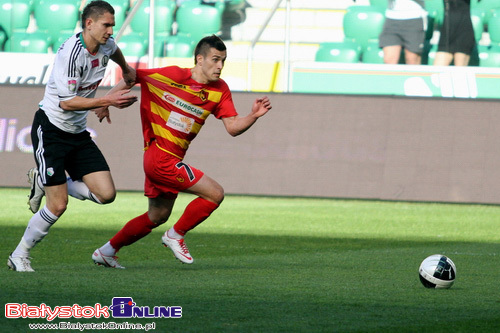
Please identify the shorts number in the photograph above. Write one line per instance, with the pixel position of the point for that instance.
(186, 167)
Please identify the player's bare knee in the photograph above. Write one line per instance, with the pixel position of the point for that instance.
(107, 198)
(57, 208)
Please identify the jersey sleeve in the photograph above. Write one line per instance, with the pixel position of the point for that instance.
(225, 108)
(67, 75)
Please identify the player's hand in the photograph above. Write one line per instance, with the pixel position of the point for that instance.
(103, 113)
(121, 99)
(261, 106)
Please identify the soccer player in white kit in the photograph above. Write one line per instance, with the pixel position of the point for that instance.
(61, 142)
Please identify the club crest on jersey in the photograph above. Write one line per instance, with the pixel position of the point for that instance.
(72, 85)
(105, 61)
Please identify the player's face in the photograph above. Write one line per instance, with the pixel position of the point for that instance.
(212, 64)
(101, 29)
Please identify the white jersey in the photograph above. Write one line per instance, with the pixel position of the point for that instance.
(76, 72)
(406, 9)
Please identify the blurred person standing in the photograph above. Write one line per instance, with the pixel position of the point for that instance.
(404, 28)
(456, 40)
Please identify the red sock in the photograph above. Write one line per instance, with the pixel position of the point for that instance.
(131, 232)
(196, 212)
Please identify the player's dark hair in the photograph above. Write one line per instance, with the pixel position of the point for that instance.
(96, 9)
(206, 43)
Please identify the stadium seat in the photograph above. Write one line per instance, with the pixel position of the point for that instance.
(363, 23)
(121, 7)
(164, 17)
(133, 44)
(494, 28)
(35, 42)
(477, 23)
(436, 12)
(372, 54)
(430, 54)
(56, 17)
(382, 4)
(3, 38)
(61, 39)
(180, 46)
(208, 19)
(348, 52)
(487, 7)
(489, 56)
(14, 15)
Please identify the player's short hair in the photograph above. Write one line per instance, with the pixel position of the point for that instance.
(206, 43)
(96, 9)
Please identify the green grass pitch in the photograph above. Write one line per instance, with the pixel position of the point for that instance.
(268, 265)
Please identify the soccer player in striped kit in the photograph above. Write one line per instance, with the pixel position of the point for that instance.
(174, 105)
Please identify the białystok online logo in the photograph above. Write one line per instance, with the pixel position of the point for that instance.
(121, 307)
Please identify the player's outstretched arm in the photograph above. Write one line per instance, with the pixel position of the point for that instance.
(238, 125)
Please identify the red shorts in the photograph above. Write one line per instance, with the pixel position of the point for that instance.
(167, 174)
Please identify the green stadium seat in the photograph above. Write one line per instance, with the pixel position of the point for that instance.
(164, 17)
(208, 19)
(180, 46)
(487, 7)
(435, 8)
(363, 24)
(348, 52)
(56, 16)
(61, 39)
(35, 42)
(14, 15)
(494, 28)
(489, 56)
(373, 54)
(3, 38)
(477, 23)
(121, 7)
(382, 4)
(430, 54)
(133, 44)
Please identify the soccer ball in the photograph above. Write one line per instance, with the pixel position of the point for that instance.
(437, 271)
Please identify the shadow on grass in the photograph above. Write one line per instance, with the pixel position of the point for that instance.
(248, 283)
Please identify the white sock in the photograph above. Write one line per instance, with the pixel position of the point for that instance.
(173, 234)
(107, 250)
(79, 190)
(37, 228)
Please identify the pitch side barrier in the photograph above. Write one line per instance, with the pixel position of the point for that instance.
(318, 145)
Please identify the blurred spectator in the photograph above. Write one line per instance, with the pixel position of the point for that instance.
(404, 28)
(456, 40)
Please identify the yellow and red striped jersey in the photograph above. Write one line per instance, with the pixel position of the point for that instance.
(174, 107)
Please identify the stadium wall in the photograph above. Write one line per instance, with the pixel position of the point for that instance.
(347, 146)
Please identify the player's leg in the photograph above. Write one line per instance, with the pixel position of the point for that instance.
(90, 177)
(101, 188)
(210, 196)
(158, 212)
(38, 227)
(50, 149)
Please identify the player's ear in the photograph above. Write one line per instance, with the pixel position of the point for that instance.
(199, 58)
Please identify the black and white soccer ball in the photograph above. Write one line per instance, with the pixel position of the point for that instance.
(437, 271)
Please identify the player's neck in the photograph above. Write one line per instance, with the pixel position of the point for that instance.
(90, 44)
(198, 76)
